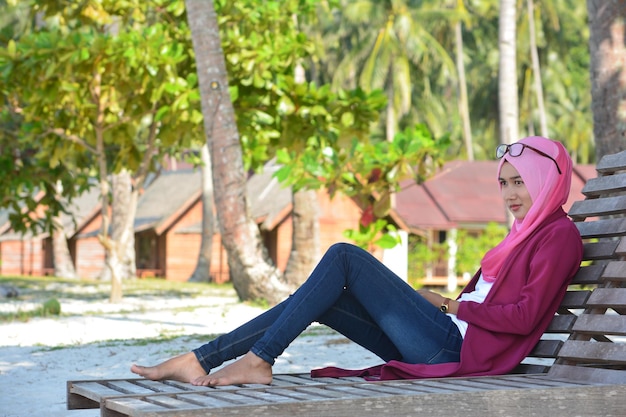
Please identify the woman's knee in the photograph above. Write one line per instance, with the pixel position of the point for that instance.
(342, 247)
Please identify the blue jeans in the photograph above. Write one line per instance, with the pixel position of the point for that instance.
(355, 294)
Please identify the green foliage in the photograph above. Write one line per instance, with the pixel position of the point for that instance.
(472, 247)
(321, 136)
(361, 168)
(421, 257)
(350, 39)
(379, 233)
(263, 47)
(84, 98)
(367, 172)
(51, 306)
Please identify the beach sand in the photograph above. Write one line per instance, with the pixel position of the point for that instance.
(94, 340)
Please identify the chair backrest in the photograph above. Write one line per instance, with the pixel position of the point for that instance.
(596, 347)
(586, 340)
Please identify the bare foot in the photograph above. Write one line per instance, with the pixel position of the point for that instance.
(183, 368)
(249, 369)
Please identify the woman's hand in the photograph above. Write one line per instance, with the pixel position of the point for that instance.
(432, 297)
(437, 300)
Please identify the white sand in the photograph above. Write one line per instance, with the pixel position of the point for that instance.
(38, 357)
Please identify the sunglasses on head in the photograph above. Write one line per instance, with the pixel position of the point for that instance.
(516, 149)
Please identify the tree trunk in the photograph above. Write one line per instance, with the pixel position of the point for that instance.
(391, 121)
(61, 258)
(507, 74)
(202, 273)
(463, 105)
(305, 245)
(63, 265)
(607, 20)
(251, 270)
(305, 238)
(124, 209)
(120, 244)
(543, 123)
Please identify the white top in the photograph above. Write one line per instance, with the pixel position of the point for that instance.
(478, 295)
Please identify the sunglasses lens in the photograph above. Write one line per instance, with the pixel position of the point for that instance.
(501, 150)
(516, 149)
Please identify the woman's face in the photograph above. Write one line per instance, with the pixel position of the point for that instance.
(514, 192)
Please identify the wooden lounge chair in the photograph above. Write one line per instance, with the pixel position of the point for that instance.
(578, 368)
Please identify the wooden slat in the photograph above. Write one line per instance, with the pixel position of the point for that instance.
(598, 207)
(588, 275)
(594, 352)
(91, 391)
(293, 379)
(129, 406)
(592, 375)
(205, 399)
(602, 228)
(128, 387)
(607, 324)
(600, 250)
(575, 299)
(615, 271)
(608, 298)
(546, 349)
(561, 324)
(175, 402)
(612, 163)
(80, 400)
(621, 248)
(595, 187)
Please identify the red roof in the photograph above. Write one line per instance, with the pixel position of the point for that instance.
(465, 193)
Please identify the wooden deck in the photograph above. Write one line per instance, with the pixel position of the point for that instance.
(302, 396)
(577, 369)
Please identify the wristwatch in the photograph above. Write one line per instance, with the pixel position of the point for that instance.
(444, 306)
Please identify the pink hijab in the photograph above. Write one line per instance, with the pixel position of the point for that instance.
(548, 191)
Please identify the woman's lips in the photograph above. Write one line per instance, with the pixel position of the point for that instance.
(515, 207)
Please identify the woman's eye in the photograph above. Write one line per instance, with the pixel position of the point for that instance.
(519, 182)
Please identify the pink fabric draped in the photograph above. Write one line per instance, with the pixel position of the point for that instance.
(548, 190)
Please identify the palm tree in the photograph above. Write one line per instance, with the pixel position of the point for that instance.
(252, 272)
(460, 68)
(536, 68)
(608, 78)
(382, 41)
(507, 74)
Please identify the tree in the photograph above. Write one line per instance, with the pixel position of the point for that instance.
(538, 87)
(202, 272)
(607, 24)
(69, 82)
(507, 73)
(251, 270)
(381, 45)
(305, 241)
(460, 67)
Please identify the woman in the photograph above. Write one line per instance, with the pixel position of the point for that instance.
(488, 329)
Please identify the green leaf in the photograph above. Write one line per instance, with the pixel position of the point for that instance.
(285, 106)
(161, 113)
(347, 119)
(12, 49)
(387, 241)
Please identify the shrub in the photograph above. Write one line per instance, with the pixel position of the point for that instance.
(51, 306)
